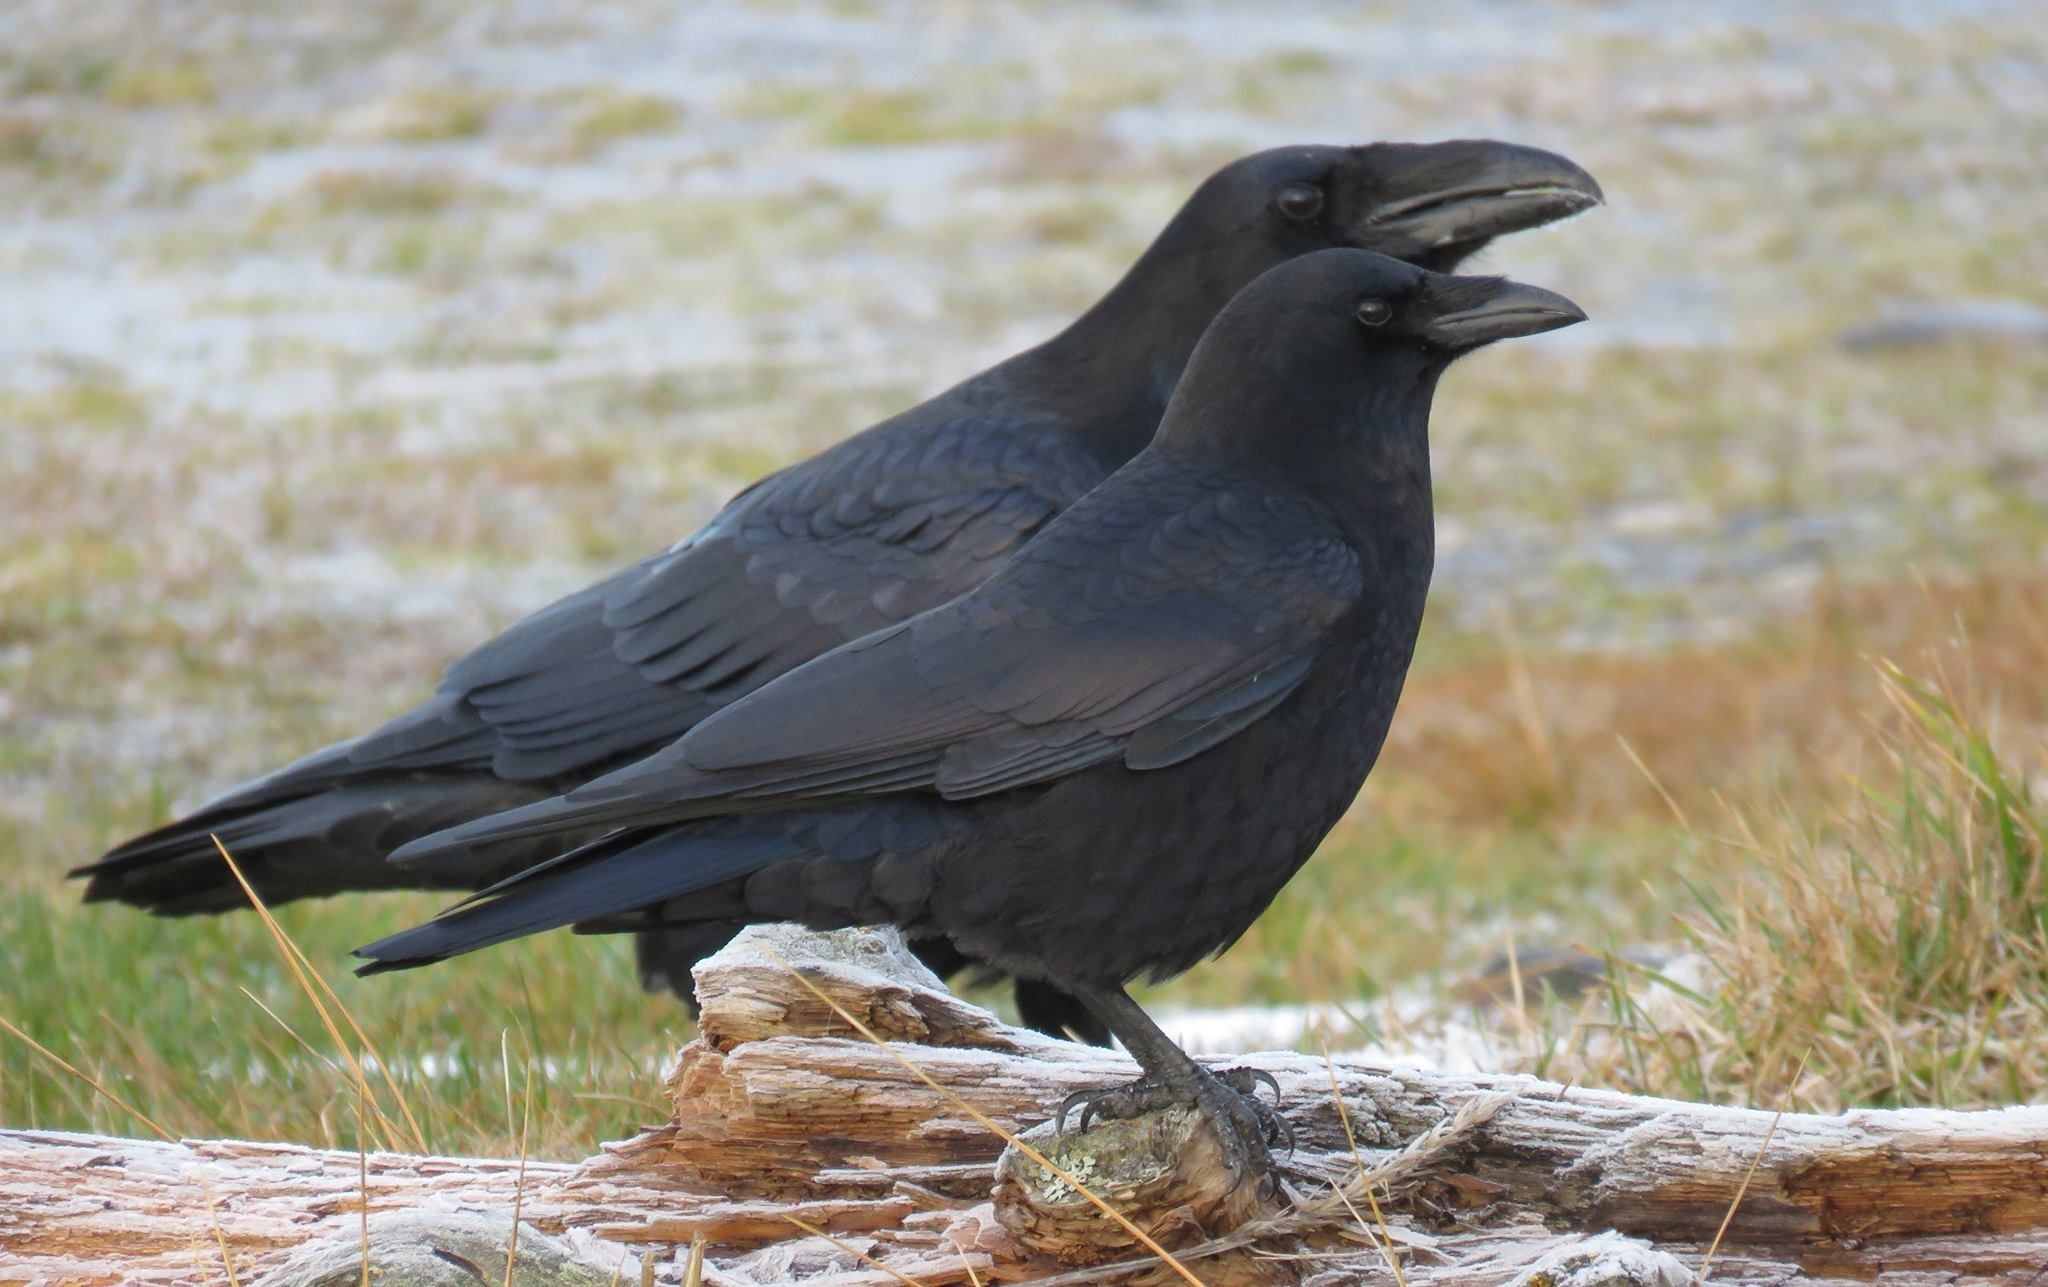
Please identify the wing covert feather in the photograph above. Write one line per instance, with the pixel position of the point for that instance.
(1150, 625)
(866, 534)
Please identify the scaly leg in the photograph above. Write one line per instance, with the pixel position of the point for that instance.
(1243, 1122)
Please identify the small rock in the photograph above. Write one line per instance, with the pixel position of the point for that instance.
(1985, 320)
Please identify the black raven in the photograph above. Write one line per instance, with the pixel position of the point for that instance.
(892, 521)
(1106, 759)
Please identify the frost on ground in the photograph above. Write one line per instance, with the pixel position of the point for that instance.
(335, 337)
(394, 320)
(1483, 1026)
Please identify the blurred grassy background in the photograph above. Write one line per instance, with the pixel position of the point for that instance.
(335, 338)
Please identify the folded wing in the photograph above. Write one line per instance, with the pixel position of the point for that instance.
(873, 532)
(1155, 619)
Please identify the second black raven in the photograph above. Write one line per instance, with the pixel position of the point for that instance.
(892, 521)
(1107, 759)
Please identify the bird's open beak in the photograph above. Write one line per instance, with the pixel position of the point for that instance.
(1451, 198)
(1482, 310)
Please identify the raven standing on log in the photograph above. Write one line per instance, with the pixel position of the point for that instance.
(897, 519)
(1107, 759)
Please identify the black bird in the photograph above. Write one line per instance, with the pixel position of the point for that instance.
(899, 518)
(1108, 758)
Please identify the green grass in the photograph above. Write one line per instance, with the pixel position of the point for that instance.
(876, 117)
(160, 82)
(91, 401)
(156, 638)
(204, 1029)
(1889, 951)
(388, 194)
(434, 115)
(1418, 887)
(606, 117)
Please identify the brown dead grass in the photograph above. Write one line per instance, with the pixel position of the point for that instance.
(1555, 802)
(1891, 952)
(1546, 741)
(1894, 953)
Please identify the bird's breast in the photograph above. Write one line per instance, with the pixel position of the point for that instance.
(1113, 872)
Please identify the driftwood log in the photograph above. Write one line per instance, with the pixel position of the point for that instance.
(802, 1151)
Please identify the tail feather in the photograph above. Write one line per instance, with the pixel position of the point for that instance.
(306, 845)
(223, 813)
(325, 823)
(610, 877)
(538, 819)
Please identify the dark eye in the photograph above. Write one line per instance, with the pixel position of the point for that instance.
(1300, 202)
(1375, 312)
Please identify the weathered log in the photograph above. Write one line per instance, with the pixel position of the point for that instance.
(448, 1249)
(800, 1150)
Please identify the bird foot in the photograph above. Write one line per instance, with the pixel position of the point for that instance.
(1273, 1128)
(1245, 1124)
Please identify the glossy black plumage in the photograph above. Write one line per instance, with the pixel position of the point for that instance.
(895, 520)
(1105, 760)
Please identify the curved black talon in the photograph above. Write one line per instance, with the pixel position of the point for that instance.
(1122, 1104)
(1112, 1103)
(1059, 1118)
(1246, 1125)
(1276, 1130)
(1245, 1081)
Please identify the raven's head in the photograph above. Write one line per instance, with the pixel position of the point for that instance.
(1342, 348)
(1431, 204)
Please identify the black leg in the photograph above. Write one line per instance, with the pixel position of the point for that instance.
(1058, 1013)
(939, 956)
(1243, 1123)
(1040, 1005)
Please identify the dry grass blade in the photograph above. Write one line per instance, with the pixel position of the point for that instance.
(363, 1175)
(220, 1235)
(205, 1185)
(83, 1077)
(987, 1123)
(1742, 1189)
(1656, 783)
(1421, 1154)
(290, 1031)
(1518, 995)
(853, 1251)
(519, 1182)
(1386, 1237)
(1893, 940)
(314, 986)
(1527, 709)
(1447, 1136)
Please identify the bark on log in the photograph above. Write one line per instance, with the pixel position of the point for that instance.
(800, 1151)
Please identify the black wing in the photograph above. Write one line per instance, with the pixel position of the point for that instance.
(1163, 613)
(867, 534)
(872, 531)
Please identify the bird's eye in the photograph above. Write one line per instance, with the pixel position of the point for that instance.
(1375, 312)
(1300, 202)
